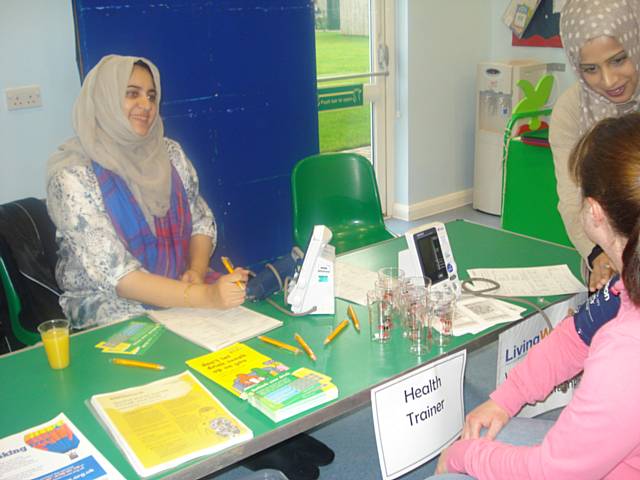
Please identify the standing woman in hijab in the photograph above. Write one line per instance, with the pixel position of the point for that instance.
(602, 43)
(132, 229)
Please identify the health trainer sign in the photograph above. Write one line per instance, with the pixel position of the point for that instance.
(415, 416)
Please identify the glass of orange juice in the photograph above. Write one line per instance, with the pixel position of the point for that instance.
(55, 337)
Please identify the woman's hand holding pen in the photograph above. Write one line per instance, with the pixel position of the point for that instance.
(225, 292)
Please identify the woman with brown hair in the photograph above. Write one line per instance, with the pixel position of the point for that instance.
(597, 435)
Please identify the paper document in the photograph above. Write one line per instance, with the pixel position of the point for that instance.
(352, 283)
(53, 450)
(165, 423)
(532, 281)
(215, 329)
(135, 338)
(237, 367)
(475, 314)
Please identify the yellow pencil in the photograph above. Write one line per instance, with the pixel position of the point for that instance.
(229, 266)
(136, 363)
(336, 331)
(305, 347)
(354, 318)
(279, 344)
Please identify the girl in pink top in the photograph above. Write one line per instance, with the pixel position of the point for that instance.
(598, 433)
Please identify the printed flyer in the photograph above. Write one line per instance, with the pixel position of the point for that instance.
(53, 450)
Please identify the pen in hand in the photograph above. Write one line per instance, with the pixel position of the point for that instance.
(229, 266)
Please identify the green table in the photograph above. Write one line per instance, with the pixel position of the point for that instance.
(32, 393)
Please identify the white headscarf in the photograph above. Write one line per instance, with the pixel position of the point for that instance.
(584, 20)
(105, 136)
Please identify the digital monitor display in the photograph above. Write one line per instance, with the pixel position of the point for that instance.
(430, 255)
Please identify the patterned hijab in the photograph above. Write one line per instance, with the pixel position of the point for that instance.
(105, 136)
(584, 20)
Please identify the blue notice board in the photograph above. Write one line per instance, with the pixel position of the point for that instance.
(239, 94)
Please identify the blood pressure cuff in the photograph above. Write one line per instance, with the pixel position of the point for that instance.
(599, 308)
(271, 279)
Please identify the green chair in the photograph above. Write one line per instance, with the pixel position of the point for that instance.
(338, 190)
(14, 307)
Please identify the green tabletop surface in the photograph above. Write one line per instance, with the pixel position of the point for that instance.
(33, 393)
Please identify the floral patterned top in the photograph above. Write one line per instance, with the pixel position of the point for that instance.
(91, 256)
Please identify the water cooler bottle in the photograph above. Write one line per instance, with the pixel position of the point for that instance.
(497, 95)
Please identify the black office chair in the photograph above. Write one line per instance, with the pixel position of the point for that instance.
(27, 270)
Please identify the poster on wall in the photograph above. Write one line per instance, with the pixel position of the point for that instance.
(543, 29)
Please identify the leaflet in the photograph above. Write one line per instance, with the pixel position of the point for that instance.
(162, 424)
(53, 450)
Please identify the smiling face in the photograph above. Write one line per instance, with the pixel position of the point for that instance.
(140, 100)
(607, 69)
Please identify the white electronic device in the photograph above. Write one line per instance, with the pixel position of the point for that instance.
(430, 255)
(313, 288)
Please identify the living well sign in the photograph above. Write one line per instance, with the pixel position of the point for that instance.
(514, 344)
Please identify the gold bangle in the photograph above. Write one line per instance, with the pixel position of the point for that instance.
(185, 295)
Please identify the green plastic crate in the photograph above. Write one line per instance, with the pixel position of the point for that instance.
(530, 198)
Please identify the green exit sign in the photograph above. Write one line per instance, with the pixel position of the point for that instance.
(346, 96)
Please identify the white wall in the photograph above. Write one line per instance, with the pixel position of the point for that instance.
(501, 47)
(445, 40)
(439, 45)
(39, 51)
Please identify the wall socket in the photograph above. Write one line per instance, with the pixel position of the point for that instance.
(23, 97)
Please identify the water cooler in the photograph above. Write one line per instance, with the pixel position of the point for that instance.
(497, 95)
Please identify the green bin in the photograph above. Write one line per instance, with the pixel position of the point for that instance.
(530, 198)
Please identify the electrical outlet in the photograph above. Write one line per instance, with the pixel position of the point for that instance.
(23, 97)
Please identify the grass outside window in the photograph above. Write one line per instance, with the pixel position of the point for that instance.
(338, 54)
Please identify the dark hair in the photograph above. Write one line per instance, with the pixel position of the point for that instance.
(606, 165)
(143, 64)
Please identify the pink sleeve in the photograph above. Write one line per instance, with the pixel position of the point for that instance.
(559, 357)
(594, 434)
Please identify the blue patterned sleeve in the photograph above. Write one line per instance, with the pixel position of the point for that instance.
(87, 238)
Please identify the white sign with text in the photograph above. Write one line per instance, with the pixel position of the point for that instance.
(417, 415)
(514, 344)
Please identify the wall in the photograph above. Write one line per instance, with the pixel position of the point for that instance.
(444, 41)
(501, 48)
(41, 52)
(438, 47)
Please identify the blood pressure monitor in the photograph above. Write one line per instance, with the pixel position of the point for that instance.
(430, 255)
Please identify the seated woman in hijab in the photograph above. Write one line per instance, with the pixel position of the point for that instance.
(132, 229)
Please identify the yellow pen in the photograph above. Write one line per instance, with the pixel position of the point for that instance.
(336, 331)
(305, 347)
(229, 266)
(136, 363)
(354, 318)
(279, 344)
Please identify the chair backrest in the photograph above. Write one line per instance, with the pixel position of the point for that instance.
(338, 190)
(27, 268)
